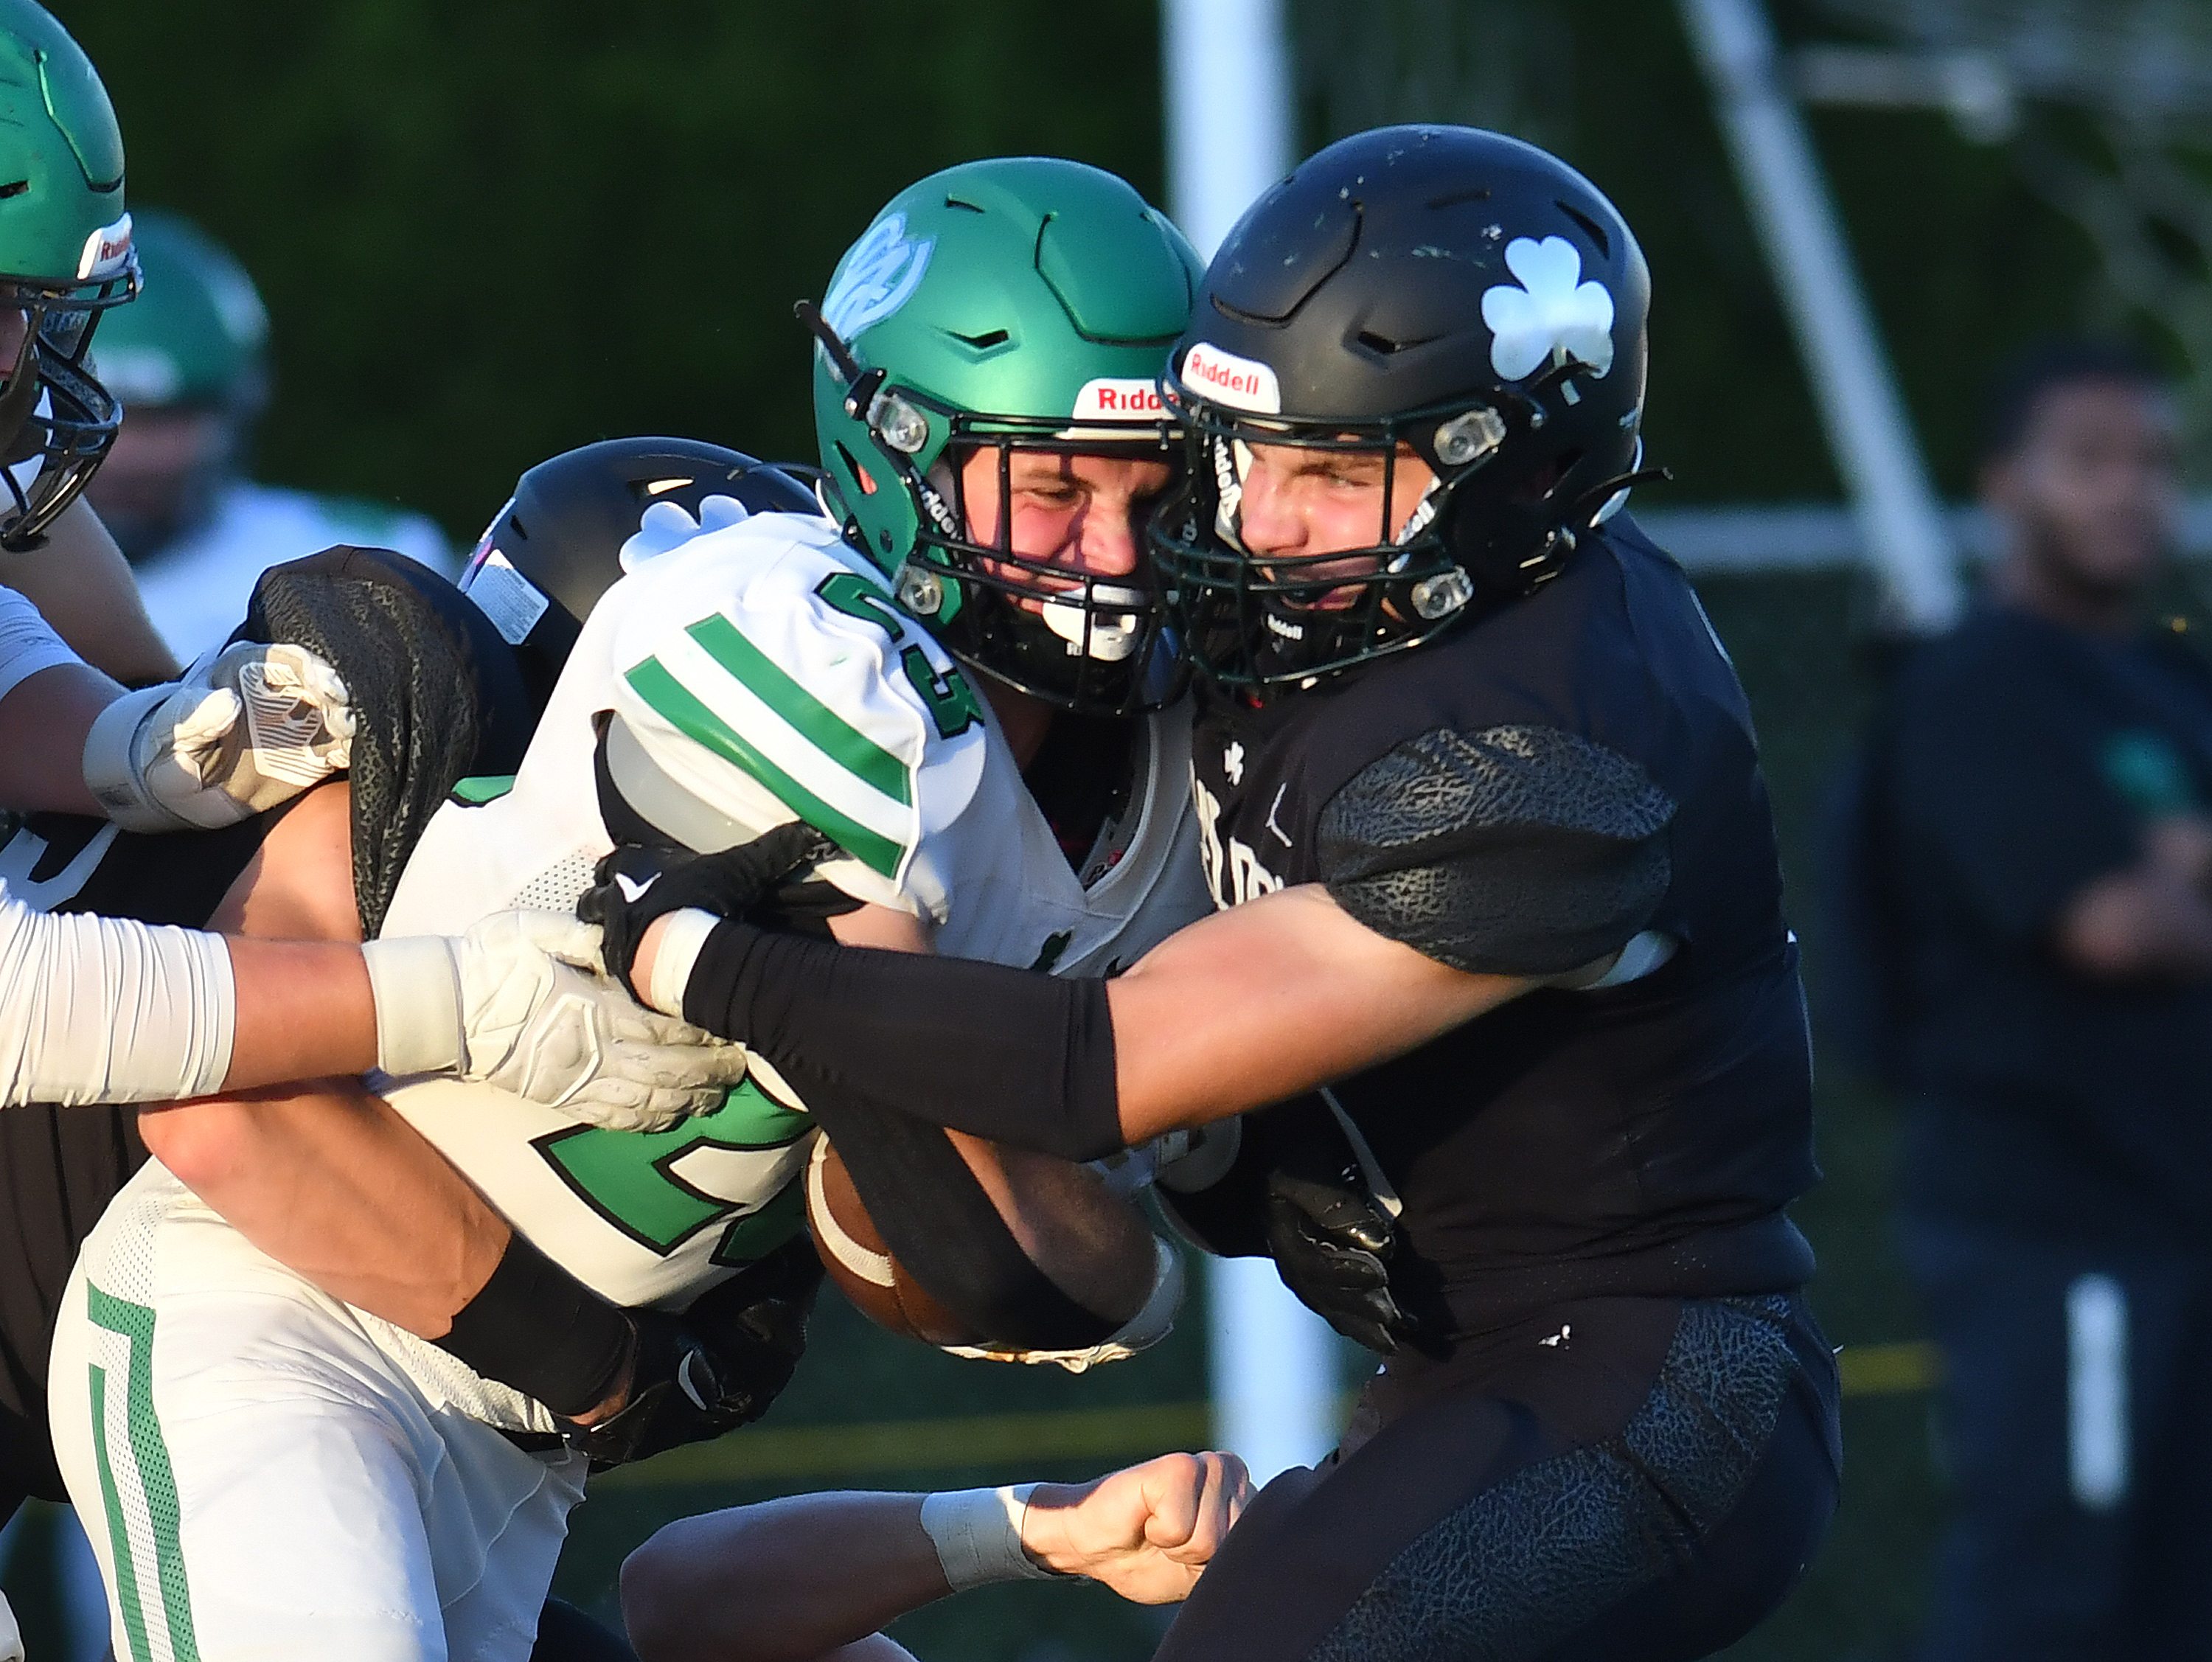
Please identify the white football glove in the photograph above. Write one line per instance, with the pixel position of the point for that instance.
(517, 1002)
(249, 729)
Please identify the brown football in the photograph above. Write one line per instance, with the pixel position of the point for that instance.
(859, 1261)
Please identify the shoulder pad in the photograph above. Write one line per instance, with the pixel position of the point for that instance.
(1516, 850)
(774, 678)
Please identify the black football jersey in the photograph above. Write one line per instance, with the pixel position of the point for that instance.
(1567, 773)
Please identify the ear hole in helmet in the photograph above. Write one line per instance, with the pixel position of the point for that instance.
(1596, 230)
(860, 476)
(1541, 483)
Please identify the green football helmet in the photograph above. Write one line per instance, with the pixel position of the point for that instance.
(197, 336)
(65, 257)
(192, 347)
(1023, 303)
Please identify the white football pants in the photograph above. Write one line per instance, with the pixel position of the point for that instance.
(266, 1474)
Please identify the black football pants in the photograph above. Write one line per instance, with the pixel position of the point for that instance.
(1627, 1480)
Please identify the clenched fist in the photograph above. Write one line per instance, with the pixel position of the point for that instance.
(1146, 1531)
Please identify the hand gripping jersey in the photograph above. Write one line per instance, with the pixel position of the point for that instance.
(1574, 774)
(768, 674)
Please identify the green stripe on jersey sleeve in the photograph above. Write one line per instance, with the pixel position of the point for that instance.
(829, 732)
(677, 704)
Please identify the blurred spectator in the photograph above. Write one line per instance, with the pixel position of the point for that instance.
(2041, 811)
(189, 359)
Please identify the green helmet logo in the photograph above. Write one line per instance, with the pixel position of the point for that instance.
(65, 247)
(1019, 304)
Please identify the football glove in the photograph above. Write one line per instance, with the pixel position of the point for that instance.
(245, 731)
(715, 1367)
(1332, 1242)
(634, 885)
(514, 1003)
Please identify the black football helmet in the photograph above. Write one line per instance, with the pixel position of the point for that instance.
(578, 521)
(1443, 291)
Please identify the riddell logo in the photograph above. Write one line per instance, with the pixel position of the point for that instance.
(1241, 383)
(105, 250)
(1117, 398)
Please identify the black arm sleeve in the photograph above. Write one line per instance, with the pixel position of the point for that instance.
(535, 1327)
(1517, 850)
(1020, 1057)
(939, 1224)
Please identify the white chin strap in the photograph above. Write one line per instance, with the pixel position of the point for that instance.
(26, 471)
(1106, 636)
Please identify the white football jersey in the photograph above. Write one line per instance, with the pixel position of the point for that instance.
(763, 667)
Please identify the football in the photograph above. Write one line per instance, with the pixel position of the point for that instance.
(861, 1263)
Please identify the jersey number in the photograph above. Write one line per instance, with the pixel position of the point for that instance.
(661, 1187)
(951, 701)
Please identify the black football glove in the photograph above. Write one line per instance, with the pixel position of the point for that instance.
(635, 884)
(715, 1367)
(1331, 1241)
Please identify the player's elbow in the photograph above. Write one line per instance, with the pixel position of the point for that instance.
(203, 1143)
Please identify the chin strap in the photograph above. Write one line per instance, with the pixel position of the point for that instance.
(1594, 499)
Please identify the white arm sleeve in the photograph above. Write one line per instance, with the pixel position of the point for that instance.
(101, 1010)
(27, 644)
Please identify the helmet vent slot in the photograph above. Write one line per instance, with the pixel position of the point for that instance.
(1596, 231)
(18, 188)
(1381, 344)
(955, 202)
(1453, 198)
(983, 343)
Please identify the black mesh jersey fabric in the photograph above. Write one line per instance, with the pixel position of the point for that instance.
(1523, 797)
(436, 694)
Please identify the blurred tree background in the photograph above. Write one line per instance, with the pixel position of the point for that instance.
(488, 232)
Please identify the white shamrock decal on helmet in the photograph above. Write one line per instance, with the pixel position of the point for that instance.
(1552, 311)
(880, 276)
(666, 525)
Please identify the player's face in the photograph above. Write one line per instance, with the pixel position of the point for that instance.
(1308, 503)
(2093, 484)
(158, 454)
(1083, 514)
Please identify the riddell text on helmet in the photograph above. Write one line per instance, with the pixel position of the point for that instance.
(1118, 397)
(1240, 382)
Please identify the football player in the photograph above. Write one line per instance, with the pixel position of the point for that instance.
(754, 669)
(1481, 804)
(190, 358)
(183, 1013)
(104, 1009)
